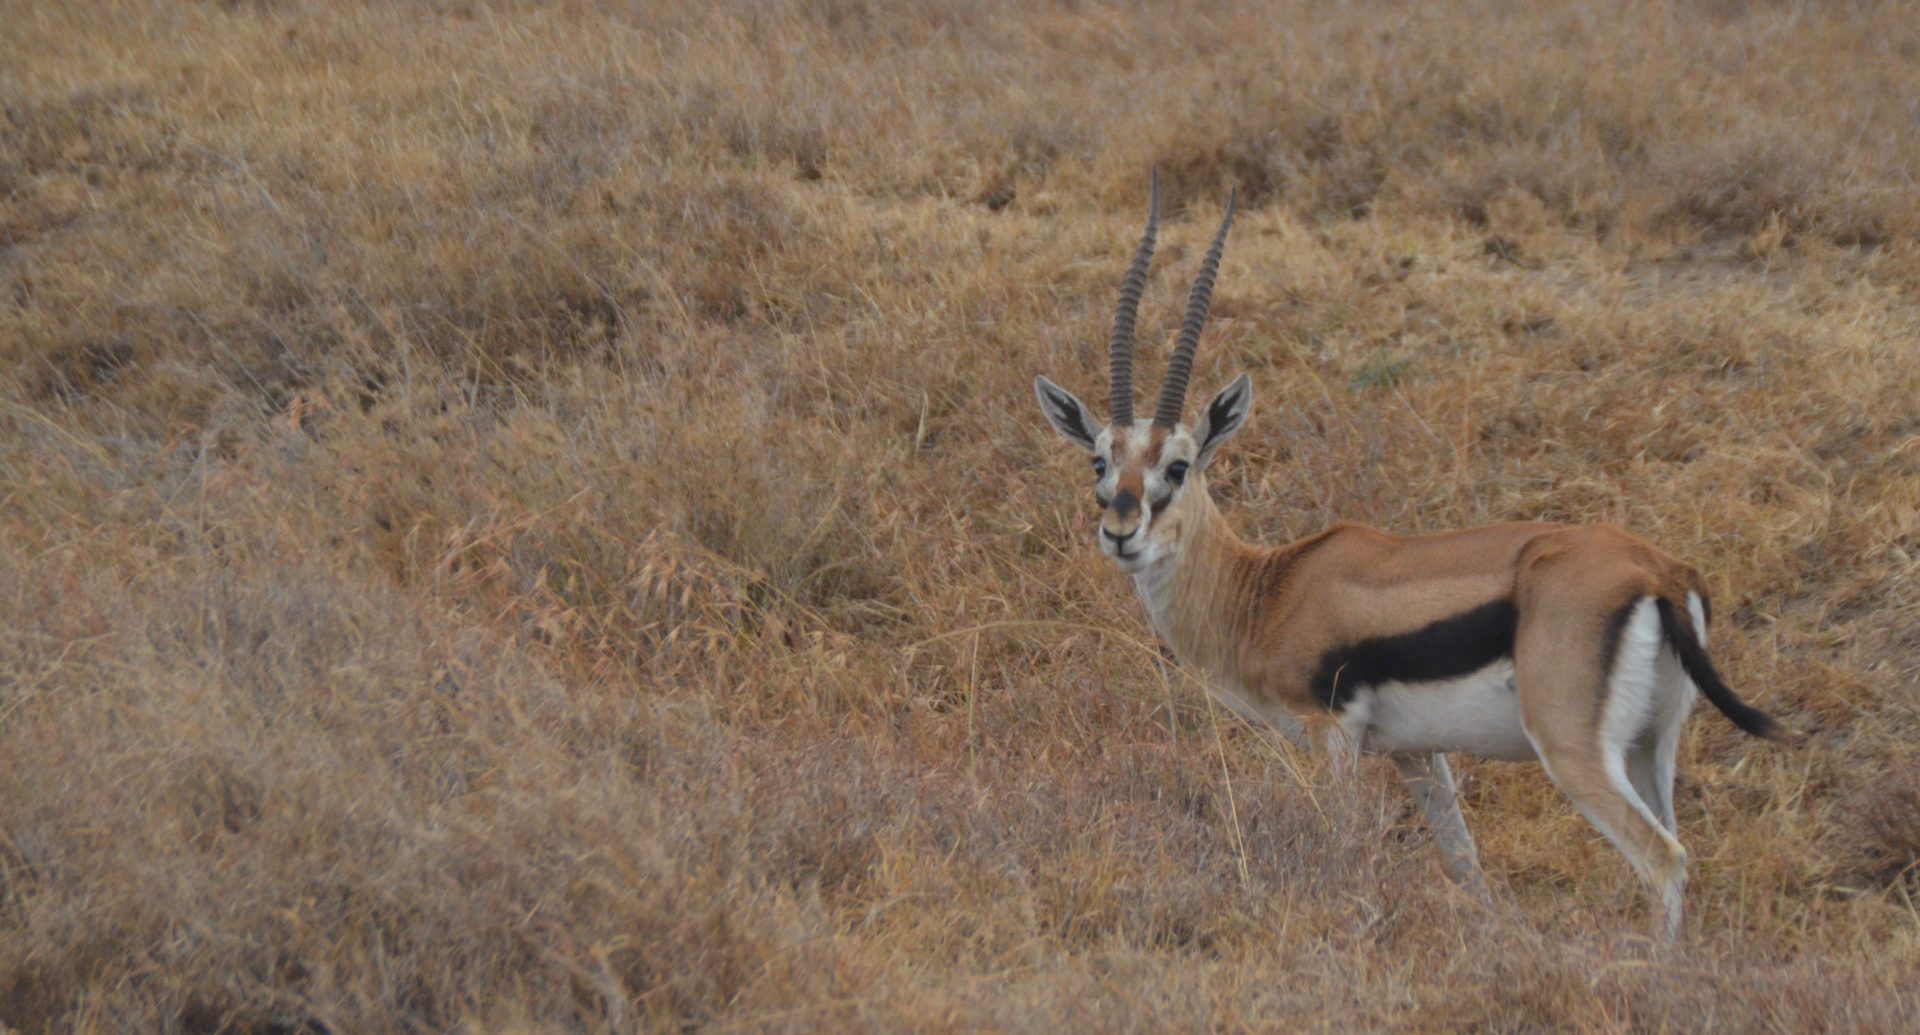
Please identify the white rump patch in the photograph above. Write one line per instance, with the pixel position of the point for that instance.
(1699, 615)
(1634, 682)
(1647, 699)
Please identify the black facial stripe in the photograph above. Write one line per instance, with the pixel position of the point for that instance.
(1160, 504)
(1445, 649)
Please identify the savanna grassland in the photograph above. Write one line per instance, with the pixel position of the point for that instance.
(532, 517)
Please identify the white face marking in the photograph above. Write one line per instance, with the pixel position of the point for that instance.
(1143, 547)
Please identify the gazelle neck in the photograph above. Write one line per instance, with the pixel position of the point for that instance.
(1193, 593)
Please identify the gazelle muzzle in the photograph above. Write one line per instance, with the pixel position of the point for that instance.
(1123, 517)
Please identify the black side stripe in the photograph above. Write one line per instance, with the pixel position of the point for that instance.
(1445, 649)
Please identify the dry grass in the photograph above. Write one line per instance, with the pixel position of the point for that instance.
(531, 517)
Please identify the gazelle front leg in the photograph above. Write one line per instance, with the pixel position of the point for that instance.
(1338, 736)
(1430, 781)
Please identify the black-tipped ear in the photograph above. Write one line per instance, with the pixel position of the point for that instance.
(1224, 416)
(1067, 414)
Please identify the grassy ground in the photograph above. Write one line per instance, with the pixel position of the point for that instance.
(531, 517)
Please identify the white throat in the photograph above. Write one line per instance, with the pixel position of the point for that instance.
(1154, 584)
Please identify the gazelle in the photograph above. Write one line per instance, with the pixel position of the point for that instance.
(1577, 645)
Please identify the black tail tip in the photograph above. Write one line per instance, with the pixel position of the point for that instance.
(1782, 733)
(1752, 721)
(1762, 725)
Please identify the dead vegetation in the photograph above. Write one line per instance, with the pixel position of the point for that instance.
(531, 517)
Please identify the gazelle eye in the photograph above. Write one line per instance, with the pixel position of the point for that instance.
(1099, 467)
(1177, 472)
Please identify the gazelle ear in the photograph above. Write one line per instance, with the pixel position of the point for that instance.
(1225, 415)
(1067, 414)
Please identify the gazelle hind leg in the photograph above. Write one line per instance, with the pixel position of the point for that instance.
(1616, 811)
(1430, 781)
(1591, 761)
(1668, 697)
(1643, 773)
(1650, 757)
(1665, 748)
(1677, 700)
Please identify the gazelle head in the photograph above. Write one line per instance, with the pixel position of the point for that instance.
(1145, 470)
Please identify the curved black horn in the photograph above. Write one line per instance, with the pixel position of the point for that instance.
(1173, 391)
(1120, 352)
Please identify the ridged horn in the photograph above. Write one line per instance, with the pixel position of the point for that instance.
(1120, 352)
(1173, 391)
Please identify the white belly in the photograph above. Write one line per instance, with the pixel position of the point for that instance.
(1478, 714)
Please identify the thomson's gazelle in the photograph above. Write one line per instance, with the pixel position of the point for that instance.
(1577, 645)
